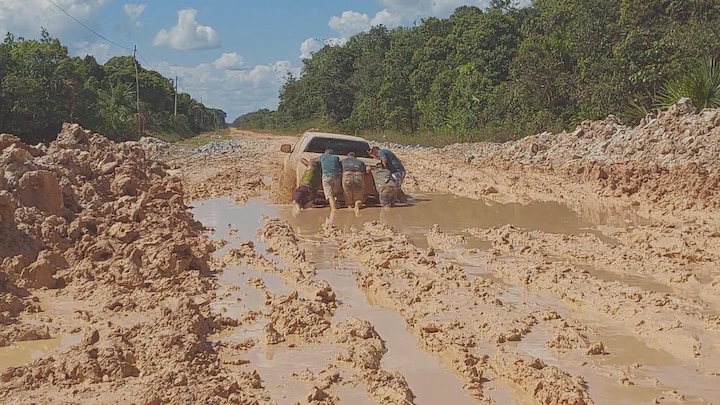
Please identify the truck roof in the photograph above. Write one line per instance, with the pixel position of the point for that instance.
(314, 134)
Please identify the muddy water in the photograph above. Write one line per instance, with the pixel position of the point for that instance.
(457, 213)
(631, 372)
(423, 371)
(25, 352)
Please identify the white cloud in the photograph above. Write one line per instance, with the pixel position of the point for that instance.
(26, 17)
(234, 91)
(188, 34)
(402, 12)
(352, 22)
(230, 61)
(130, 21)
(133, 11)
(312, 45)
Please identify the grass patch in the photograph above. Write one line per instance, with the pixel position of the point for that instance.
(170, 137)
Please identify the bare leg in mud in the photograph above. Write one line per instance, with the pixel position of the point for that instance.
(333, 203)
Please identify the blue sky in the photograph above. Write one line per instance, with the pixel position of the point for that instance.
(232, 54)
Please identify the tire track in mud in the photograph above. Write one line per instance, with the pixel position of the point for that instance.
(665, 321)
(308, 321)
(673, 324)
(459, 319)
(675, 261)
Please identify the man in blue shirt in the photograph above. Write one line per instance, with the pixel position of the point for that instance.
(392, 163)
(331, 176)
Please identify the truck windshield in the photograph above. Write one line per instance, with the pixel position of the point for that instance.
(339, 146)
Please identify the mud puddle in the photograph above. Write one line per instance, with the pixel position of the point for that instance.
(634, 280)
(630, 371)
(423, 372)
(277, 364)
(454, 214)
(25, 352)
(231, 221)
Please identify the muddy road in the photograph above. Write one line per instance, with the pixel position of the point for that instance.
(575, 268)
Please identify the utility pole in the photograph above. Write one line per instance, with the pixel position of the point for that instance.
(137, 92)
(176, 86)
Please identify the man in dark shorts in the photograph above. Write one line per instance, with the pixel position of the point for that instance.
(353, 181)
(387, 187)
(392, 163)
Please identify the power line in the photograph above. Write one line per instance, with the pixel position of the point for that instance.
(90, 29)
(146, 61)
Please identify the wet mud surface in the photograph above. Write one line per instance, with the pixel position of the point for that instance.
(153, 273)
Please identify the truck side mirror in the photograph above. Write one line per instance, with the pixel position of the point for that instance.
(286, 148)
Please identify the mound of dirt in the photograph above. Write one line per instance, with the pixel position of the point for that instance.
(96, 212)
(668, 160)
(105, 226)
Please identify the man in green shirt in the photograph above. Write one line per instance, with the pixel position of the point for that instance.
(304, 195)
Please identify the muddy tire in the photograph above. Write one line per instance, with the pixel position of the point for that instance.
(282, 187)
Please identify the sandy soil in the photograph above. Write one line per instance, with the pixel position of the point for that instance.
(125, 279)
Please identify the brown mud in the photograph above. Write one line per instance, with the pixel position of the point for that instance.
(575, 268)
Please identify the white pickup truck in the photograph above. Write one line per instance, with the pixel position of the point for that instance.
(313, 144)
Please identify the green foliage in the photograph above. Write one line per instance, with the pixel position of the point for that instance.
(504, 72)
(701, 85)
(41, 87)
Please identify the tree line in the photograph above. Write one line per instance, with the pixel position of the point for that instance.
(507, 71)
(41, 87)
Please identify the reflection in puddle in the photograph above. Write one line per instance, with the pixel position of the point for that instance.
(450, 212)
(21, 353)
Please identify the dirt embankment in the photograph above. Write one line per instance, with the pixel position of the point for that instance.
(667, 165)
(96, 238)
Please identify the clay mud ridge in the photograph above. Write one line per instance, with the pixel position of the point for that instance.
(96, 241)
(307, 319)
(441, 304)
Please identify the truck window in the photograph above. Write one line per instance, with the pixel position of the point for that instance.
(339, 146)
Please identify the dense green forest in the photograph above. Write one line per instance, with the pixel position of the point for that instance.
(505, 71)
(42, 86)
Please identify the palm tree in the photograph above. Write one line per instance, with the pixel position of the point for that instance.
(117, 110)
(701, 84)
